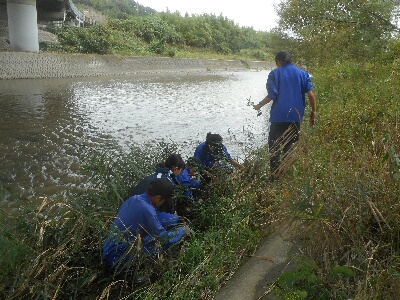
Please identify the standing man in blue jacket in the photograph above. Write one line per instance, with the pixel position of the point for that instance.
(137, 227)
(287, 86)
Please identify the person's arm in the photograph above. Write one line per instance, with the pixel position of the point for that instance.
(313, 104)
(174, 236)
(264, 101)
(154, 228)
(234, 162)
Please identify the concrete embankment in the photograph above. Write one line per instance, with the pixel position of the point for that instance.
(21, 65)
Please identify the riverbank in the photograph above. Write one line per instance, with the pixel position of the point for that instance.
(24, 65)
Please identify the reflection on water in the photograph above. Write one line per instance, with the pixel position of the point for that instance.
(43, 122)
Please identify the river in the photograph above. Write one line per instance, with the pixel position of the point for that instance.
(45, 121)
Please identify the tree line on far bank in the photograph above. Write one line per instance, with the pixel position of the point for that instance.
(324, 33)
(147, 32)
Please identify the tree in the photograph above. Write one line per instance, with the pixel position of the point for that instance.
(335, 30)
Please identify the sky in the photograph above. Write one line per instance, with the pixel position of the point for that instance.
(251, 13)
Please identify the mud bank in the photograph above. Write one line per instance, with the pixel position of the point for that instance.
(23, 65)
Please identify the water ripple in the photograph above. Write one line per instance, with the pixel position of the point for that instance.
(44, 122)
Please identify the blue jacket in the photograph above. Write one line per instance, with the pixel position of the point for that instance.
(191, 184)
(287, 86)
(212, 159)
(143, 184)
(137, 216)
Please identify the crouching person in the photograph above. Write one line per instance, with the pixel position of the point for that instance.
(190, 180)
(138, 229)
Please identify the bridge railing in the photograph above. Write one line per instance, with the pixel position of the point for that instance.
(79, 16)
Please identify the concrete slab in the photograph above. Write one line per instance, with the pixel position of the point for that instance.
(252, 279)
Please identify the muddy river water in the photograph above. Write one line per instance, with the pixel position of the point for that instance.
(43, 122)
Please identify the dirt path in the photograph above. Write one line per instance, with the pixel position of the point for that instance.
(251, 281)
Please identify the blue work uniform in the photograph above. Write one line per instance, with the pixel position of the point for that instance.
(210, 159)
(141, 187)
(161, 172)
(190, 183)
(137, 216)
(287, 86)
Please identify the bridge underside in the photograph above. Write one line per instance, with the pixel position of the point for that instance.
(50, 10)
(23, 16)
(50, 5)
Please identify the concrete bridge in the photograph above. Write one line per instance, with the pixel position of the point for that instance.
(23, 16)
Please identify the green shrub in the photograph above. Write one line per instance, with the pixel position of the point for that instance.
(94, 39)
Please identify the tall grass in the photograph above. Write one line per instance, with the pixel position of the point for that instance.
(59, 257)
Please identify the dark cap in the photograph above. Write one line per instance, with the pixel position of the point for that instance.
(213, 139)
(162, 187)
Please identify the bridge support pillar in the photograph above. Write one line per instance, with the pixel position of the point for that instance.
(23, 30)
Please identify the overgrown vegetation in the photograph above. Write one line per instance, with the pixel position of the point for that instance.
(59, 255)
(345, 189)
(344, 194)
(342, 191)
(146, 32)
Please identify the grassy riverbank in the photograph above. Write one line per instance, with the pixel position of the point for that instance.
(54, 250)
(345, 188)
(341, 191)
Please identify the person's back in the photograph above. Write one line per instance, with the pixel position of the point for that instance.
(138, 218)
(169, 169)
(134, 213)
(160, 172)
(287, 85)
(133, 216)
